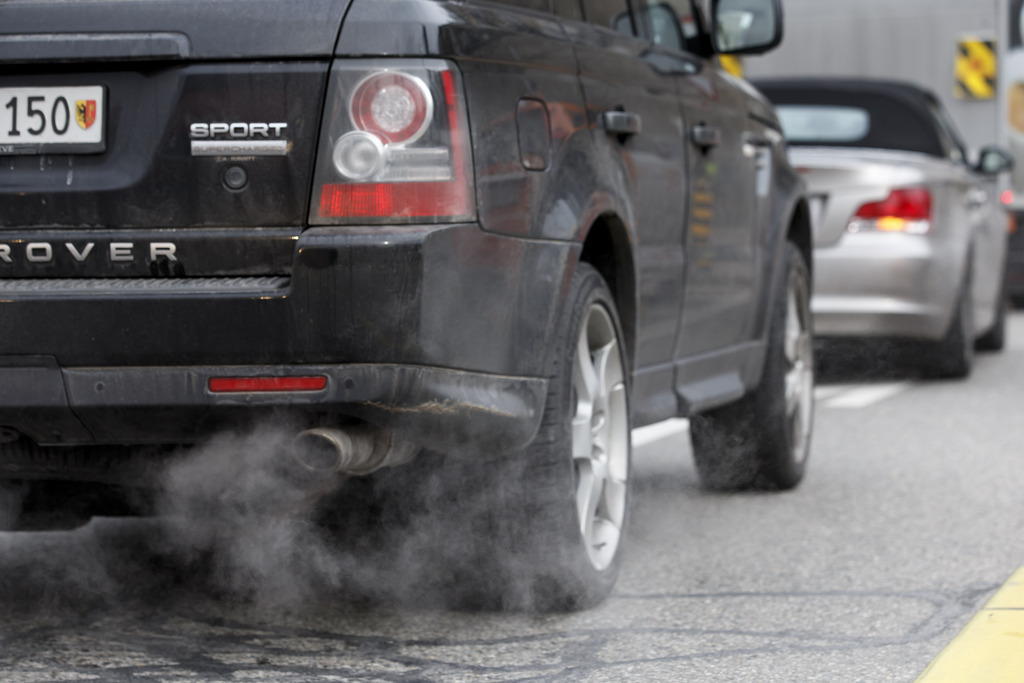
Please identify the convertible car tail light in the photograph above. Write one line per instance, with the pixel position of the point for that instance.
(394, 145)
(906, 210)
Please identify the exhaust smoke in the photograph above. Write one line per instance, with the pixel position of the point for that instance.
(282, 520)
(241, 506)
(239, 515)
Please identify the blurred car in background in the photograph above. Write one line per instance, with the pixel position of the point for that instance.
(910, 239)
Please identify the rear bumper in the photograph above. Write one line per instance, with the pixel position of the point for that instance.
(442, 296)
(436, 408)
(885, 285)
(438, 333)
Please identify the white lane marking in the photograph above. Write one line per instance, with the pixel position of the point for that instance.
(645, 436)
(865, 395)
(829, 390)
(832, 395)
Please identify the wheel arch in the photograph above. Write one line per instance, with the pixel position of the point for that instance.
(608, 248)
(794, 227)
(790, 224)
(800, 233)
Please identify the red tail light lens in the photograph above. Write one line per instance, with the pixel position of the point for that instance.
(372, 200)
(394, 106)
(904, 210)
(395, 145)
(911, 204)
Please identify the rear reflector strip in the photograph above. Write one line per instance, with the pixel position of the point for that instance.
(220, 385)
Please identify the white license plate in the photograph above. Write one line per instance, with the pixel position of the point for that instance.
(61, 120)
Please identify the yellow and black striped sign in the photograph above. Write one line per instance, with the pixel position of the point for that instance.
(974, 74)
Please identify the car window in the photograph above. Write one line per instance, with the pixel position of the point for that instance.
(897, 119)
(823, 124)
(948, 134)
(671, 24)
(613, 14)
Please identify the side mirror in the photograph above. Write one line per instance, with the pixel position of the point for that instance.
(993, 161)
(746, 26)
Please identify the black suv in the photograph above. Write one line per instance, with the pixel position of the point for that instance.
(508, 231)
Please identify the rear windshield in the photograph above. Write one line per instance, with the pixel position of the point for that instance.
(850, 118)
(823, 124)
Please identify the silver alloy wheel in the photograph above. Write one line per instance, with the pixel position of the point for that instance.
(600, 436)
(799, 368)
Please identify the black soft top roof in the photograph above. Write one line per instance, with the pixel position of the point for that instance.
(901, 113)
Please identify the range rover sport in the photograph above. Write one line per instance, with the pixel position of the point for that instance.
(505, 231)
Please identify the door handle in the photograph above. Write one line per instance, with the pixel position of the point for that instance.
(618, 122)
(705, 136)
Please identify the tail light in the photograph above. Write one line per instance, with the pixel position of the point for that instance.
(394, 145)
(393, 105)
(906, 210)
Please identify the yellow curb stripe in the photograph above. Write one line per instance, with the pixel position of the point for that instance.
(991, 646)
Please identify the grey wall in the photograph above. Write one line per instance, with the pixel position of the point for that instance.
(912, 40)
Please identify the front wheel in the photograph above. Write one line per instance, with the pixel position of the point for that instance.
(762, 441)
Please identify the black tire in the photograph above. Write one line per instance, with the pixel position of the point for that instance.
(559, 511)
(762, 441)
(995, 338)
(953, 356)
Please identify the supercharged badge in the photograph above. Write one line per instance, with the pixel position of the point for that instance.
(239, 138)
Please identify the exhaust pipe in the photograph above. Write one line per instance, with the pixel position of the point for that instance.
(323, 457)
(355, 451)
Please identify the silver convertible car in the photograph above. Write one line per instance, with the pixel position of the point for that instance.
(909, 237)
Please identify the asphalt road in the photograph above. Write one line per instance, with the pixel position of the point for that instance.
(909, 519)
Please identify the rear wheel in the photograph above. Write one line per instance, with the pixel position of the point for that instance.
(763, 440)
(538, 530)
(995, 338)
(560, 510)
(953, 356)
